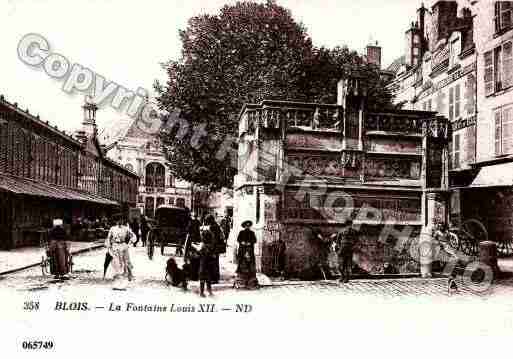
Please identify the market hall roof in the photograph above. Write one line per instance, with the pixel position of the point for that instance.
(29, 187)
(36, 120)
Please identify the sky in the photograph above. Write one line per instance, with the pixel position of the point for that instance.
(124, 41)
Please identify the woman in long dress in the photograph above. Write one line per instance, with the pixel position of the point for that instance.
(219, 241)
(246, 263)
(207, 265)
(58, 249)
(119, 239)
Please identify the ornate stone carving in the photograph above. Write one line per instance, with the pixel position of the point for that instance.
(310, 207)
(391, 123)
(325, 165)
(395, 168)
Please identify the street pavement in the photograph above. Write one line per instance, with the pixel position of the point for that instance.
(413, 317)
(149, 275)
(24, 257)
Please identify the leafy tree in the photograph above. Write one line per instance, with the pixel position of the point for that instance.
(245, 54)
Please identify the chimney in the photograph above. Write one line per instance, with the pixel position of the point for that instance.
(421, 20)
(411, 45)
(444, 14)
(374, 54)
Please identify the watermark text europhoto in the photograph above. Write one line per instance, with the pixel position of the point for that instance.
(34, 50)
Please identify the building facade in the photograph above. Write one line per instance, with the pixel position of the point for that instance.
(305, 168)
(458, 62)
(141, 151)
(47, 174)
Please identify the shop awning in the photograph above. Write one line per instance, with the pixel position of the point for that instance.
(28, 187)
(494, 176)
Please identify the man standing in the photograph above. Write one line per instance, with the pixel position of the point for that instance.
(145, 228)
(345, 241)
(134, 227)
(226, 225)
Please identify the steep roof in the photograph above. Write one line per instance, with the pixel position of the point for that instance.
(396, 64)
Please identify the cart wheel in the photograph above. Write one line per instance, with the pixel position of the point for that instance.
(474, 232)
(45, 266)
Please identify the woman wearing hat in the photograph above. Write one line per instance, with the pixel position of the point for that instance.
(117, 243)
(246, 264)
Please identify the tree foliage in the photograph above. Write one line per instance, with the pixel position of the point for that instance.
(245, 54)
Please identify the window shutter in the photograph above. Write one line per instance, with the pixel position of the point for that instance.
(451, 103)
(470, 144)
(506, 12)
(497, 65)
(497, 17)
(507, 64)
(507, 130)
(457, 96)
(497, 139)
(456, 151)
(488, 73)
(450, 155)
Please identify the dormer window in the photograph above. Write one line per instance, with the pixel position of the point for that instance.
(454, 51)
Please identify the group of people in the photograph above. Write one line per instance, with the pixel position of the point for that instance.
(206, 241)
(203, 247)
(140, 228)
(342, 243)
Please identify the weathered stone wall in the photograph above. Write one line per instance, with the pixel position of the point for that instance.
(306, 252)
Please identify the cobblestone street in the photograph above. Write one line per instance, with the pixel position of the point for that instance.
(149, 275)
(387, 310)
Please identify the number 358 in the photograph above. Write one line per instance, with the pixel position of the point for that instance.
(31, 306)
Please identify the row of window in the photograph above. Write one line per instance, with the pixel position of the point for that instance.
(152, 203)
(462, 147)
(24, 153)
(155, 177)
(178, 201)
